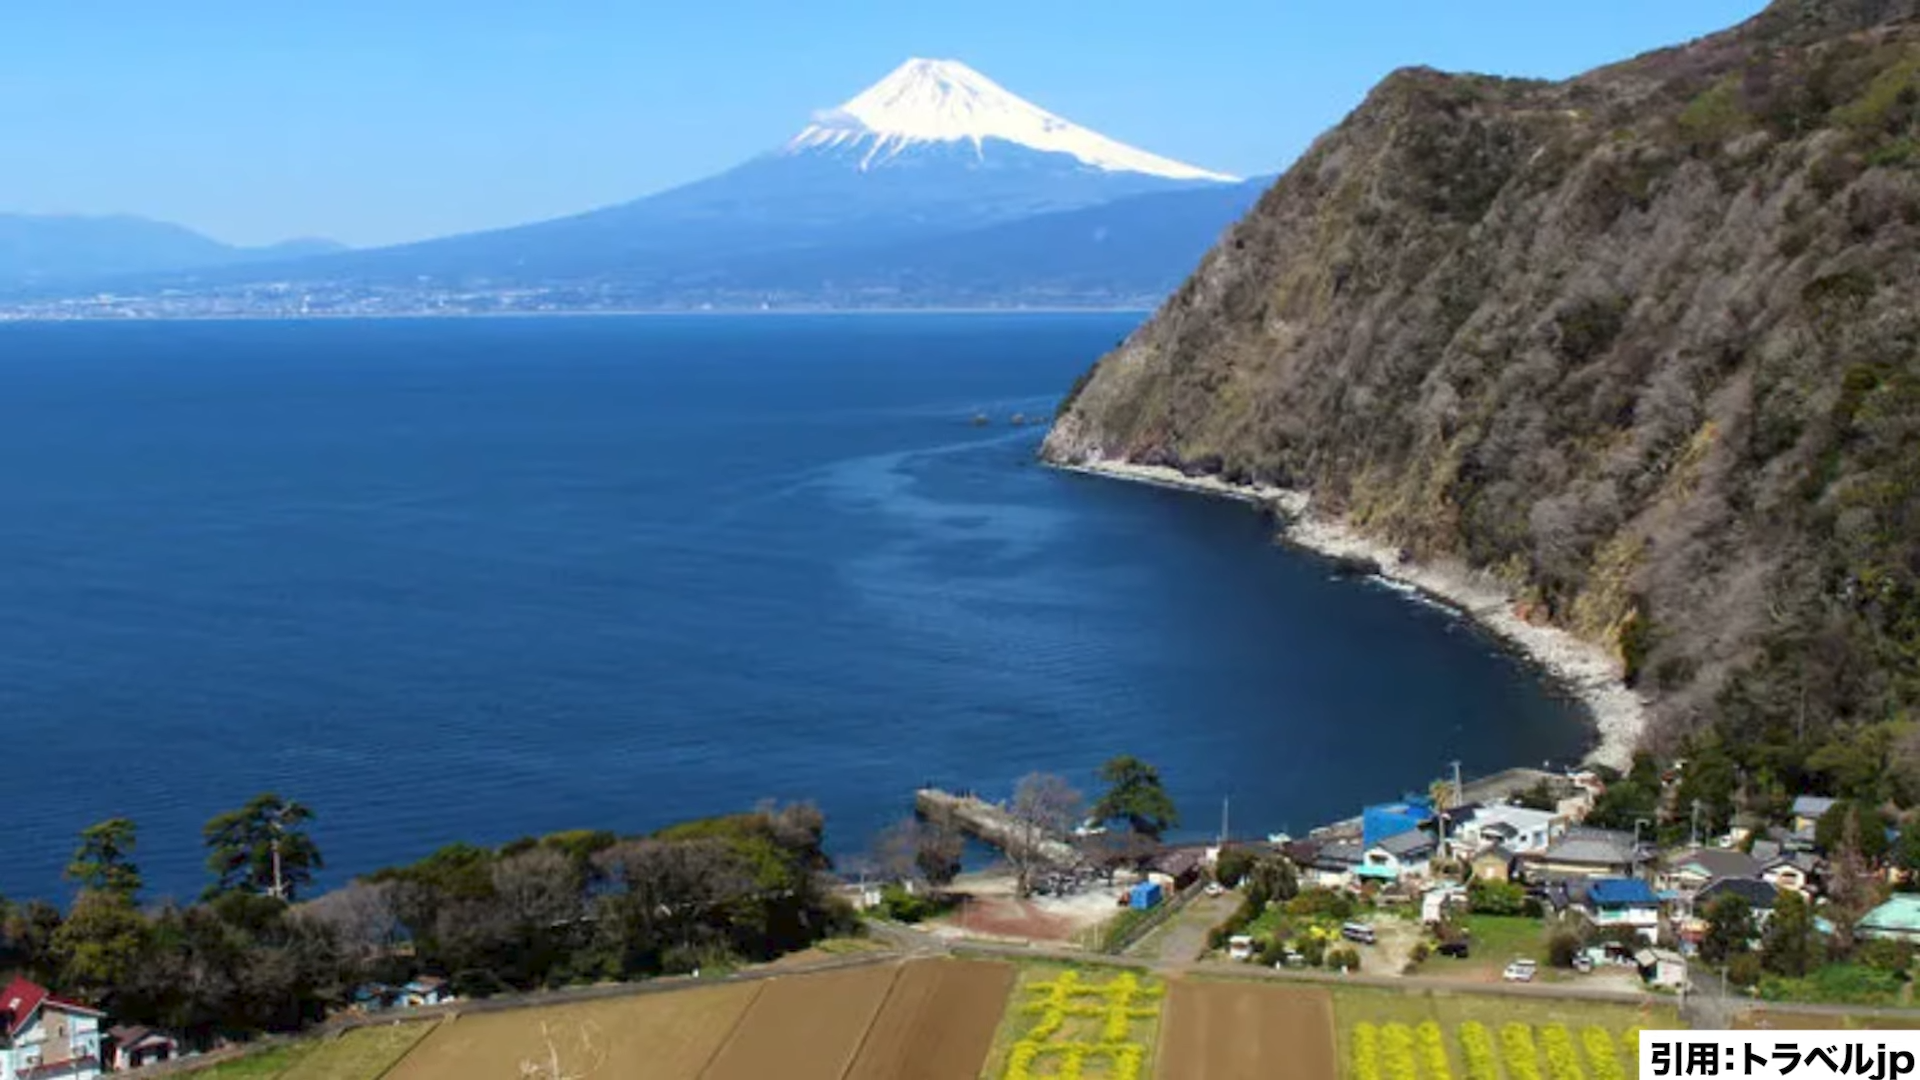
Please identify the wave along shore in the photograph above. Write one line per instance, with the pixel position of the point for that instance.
(1592, 673)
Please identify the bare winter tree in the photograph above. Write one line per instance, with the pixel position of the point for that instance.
(938, 850)
(894, 847)
(928, 850)
(540, 887)
(360, 916)
(1045, 808)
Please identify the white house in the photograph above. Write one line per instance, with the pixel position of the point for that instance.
(1793, 873)
(1407, 854)
(45, 1038)
(1624, 902)
(1519, 829)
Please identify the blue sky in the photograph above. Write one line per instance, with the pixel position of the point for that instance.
(374, 122)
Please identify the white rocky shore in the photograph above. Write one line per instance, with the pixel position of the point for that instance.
(1588, 670)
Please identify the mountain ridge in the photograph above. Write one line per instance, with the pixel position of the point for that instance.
(1638, 343)
(933, 150)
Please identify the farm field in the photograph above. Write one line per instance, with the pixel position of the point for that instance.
(265, 1065)
(361, 1054)
(938, 1022)
(804, 1027)
(1439, 1035)
(1097, 1023)
(1218, 1030)
(671, 1036)
(1788, 1020)
(922, 1020)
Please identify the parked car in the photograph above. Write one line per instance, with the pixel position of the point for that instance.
(1520, 971)
(1291, 959)
(1358, 932)
(1214, 888)
(1456, 949)
(1583, 963)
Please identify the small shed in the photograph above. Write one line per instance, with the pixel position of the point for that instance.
(1494, 864)
(1661, 967)
(1145, 895)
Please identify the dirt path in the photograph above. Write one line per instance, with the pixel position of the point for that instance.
(1183, 938)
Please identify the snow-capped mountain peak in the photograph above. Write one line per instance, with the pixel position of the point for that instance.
(945, 101)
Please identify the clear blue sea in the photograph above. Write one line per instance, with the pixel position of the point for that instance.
(471, 580)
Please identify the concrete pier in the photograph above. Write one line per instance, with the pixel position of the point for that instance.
(993, 824)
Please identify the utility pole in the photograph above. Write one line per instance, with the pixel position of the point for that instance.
(1696, 823)
(1225, 800)
(1458, 796)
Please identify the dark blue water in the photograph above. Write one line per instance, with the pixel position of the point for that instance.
(450, 580)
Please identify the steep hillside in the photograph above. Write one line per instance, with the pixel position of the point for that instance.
(1643, 343)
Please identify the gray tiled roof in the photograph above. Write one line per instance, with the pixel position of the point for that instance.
(1597, 847)
(1413, 842)
(1717, 862)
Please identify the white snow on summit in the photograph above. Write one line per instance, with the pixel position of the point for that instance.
(941, 101)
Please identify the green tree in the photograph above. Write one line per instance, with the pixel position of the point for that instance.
(1135, 794)
(1710, 780)
(100, 945)
(1272, 878)
(1906, 847)
(104, 860)
(262, 847)
(1729, 928)
(1787, 948)
(1832, 828)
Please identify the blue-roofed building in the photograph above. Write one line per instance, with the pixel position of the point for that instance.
(1896, 920)
(1623, 902)
(1382, 820)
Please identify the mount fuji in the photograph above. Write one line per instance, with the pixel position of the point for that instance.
(932, 152)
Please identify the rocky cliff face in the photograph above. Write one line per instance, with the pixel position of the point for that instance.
(1645, 343)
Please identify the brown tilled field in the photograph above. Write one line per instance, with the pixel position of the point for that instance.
(1229, 1030)
(804, 1026)
(669, 1036)
(938, 1022)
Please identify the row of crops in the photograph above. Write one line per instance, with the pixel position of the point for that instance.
(1523, 1051)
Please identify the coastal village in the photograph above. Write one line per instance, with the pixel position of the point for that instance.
(1502, 879)
(1514, 887)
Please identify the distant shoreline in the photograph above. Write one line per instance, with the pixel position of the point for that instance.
(1588, 671)
(715, 313)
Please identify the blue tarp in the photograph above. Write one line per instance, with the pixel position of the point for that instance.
(1382, 820)
(1145, 895)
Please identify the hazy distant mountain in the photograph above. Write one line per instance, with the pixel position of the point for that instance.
(36, 247)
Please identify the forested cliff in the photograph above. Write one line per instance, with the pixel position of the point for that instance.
(1645, 343)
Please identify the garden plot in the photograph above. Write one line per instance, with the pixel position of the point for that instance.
(1234, 1030)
